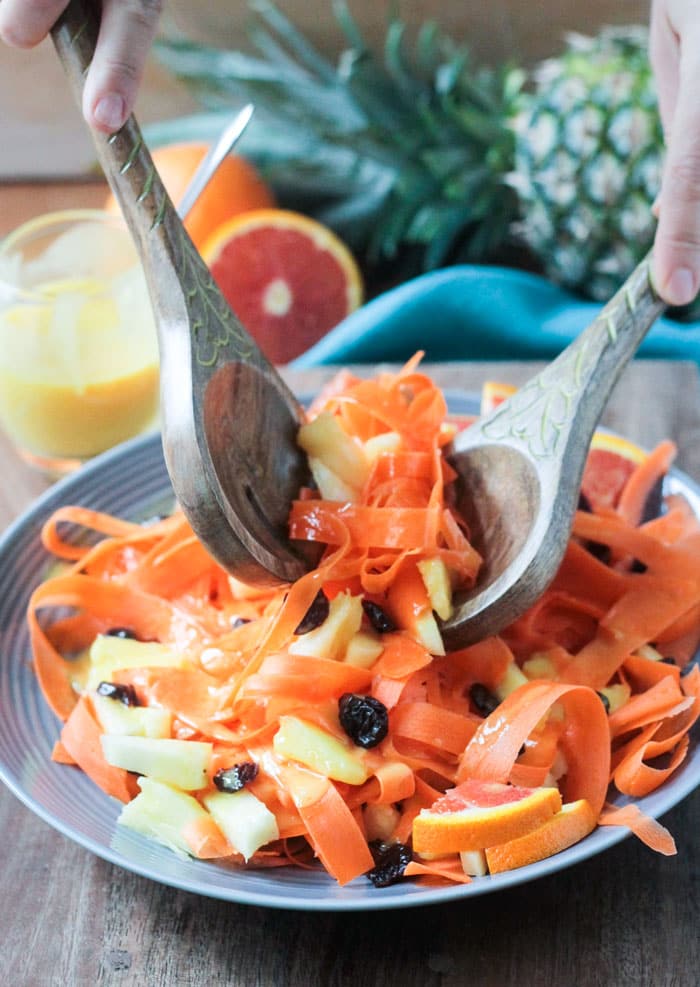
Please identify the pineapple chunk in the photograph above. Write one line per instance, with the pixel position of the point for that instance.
(474, 863)
(647, 651)
(378, 445)
(539, 667)
(308, 744)
(162, 813)
(332, 637)
(409, 605)
(245, 821)
(511, 681)
(325, 439)
(109, 654)
(617, 695)
(428, 634)
(181, 763)
(436, 578)
(330, 486)
(380, 821)
(134, 721)
(364, 649)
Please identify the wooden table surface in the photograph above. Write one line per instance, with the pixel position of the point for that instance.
(626, 917)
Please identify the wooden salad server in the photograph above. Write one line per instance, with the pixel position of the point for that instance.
(229, 421)
(520, 468)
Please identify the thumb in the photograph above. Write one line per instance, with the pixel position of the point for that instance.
(126, 32)
(677, 244)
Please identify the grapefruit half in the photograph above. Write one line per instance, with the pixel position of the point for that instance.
(288, 278)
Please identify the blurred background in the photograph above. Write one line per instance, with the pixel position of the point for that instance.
(43, 137)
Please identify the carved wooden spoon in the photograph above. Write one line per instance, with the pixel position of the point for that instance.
(520, 468)
(229, 421)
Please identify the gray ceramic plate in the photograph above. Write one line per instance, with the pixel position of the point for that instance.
(132, 481)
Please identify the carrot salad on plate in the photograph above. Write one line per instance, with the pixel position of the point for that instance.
(323, 721)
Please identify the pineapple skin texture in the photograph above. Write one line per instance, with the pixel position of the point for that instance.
(588, 160)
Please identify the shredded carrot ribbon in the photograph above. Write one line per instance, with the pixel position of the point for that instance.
(244, 665)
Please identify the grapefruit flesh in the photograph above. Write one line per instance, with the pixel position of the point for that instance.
(477, 814)
(288, 278)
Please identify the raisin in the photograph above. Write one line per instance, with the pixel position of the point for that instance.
(483, 699)
(364, 719)
(605, 701)
(390, 860)
(599, 551)
(315, 615)
(378, 618)
(638, 566)
(235, 778)
(654, 502)
(123, 632)
(584, 503)
(125, 694)
(668, 660)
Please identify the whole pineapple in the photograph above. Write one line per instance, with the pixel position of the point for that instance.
(421, 155)
(588, 160)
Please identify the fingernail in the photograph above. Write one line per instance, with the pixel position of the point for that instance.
(656, 207)
(680, 287)
(111, 111)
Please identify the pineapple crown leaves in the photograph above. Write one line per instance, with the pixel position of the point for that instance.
(408, 147)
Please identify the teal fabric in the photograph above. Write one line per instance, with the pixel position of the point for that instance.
(479, 313)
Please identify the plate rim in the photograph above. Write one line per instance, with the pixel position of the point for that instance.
(315, 898)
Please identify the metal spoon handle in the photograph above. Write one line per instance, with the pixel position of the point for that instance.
(561, 406)
(213, 158)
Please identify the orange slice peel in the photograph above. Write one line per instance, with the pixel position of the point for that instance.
(573, 822)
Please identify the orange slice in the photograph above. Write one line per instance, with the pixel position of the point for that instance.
(288, 278)
(235, 187)
(479, 814)
(493, 393)
(573, 821)
(610, 463)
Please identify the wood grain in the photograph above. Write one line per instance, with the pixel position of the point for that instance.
(627, 918)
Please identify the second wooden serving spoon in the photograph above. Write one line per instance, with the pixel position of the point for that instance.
(520, 468)
(229, 421)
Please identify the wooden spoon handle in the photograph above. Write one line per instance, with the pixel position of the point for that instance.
(562, 405)
(190, 310)
(123, 155)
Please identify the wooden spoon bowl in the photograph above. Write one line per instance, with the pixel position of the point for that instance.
(520, 468)
(229, 421)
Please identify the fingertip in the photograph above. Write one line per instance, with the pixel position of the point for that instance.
(108, 112)
(677, 285)
(680, 287)
(12, 36)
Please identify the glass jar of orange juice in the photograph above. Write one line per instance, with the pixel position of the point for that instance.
(78, 347)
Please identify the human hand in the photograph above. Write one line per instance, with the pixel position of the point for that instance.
(126, 32)
(675, 57)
